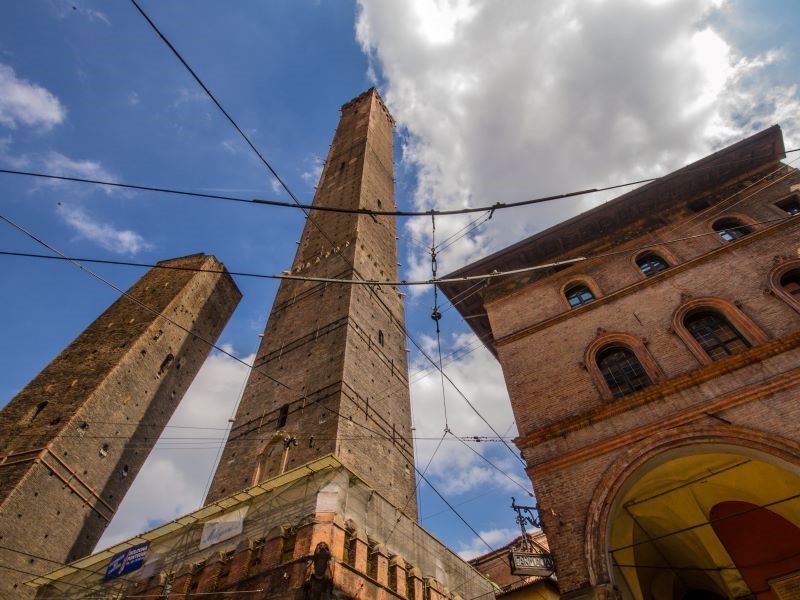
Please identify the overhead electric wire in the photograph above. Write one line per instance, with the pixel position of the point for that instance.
(58, 562)
(361, 211)
(452, 508)
(494, 466)
(403, 282)
(157, 313)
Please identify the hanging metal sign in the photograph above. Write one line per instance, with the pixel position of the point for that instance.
(528, 557)
(528, 563)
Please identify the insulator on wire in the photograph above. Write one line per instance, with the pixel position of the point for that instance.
(436, 315)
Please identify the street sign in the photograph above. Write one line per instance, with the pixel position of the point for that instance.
(126, 561)
(528, 563)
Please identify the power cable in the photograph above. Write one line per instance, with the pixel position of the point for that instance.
(436, 316)
(414, 491)
(215, 101)
(58, 562)
(494, 466)
(452, 508)
(362, 211)
(478, 278)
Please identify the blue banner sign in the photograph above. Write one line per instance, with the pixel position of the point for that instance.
(126, 561)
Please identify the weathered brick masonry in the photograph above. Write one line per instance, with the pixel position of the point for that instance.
(338, 351)
(321, 449)
(581, 445)
(73, 440)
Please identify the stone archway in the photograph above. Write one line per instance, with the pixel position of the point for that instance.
(649, 529)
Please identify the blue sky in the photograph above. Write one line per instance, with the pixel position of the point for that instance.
(494, 103)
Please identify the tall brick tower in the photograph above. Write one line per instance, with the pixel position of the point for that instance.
(337, 350)
(73, 440)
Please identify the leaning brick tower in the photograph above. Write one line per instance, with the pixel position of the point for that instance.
(73, 440)
(331, 374)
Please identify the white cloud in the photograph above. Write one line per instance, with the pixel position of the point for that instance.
(96, 15)
(173, 479)
(496, 538)
(25, 103)
(56, 163)
(506, 101)
(133, 98)
(312, 173)
(121, 241)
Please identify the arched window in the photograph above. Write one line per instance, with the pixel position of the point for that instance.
(578, 295)
(380, 337)
(651, 263)
(715, 334)
(622, 371)
(790, 282)
(730, 229)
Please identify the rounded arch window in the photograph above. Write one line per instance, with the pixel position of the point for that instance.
(715, 334)
(790, 282)
(651, 263)
(730, 229)
(622, 371)
(578, 294)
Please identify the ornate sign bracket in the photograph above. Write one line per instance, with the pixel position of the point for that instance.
(529, 557)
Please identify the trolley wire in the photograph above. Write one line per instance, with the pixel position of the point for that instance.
(481, 278)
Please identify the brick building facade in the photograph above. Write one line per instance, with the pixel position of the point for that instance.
(73, 440)
(321, 450)
(654, 379)
(338, 351)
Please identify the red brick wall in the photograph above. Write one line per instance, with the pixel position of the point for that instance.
(569, 434)
(109, 395)
(322, 340)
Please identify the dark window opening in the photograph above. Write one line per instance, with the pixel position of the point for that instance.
(715, 335)
(622, 371)
(380, 337)
(287, 549)
(224, 569)
(650, 264)
(283, 415)
(578, 295)
(194, 578)
(790, 283)
(791, 205)
(731, 229)
(255, 556)
(699, 205)
(39, 408)
(166, 363)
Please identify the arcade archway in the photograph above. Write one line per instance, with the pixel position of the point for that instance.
(707, 524)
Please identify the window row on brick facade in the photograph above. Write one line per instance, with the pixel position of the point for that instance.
(711, 328)
(582, 290)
